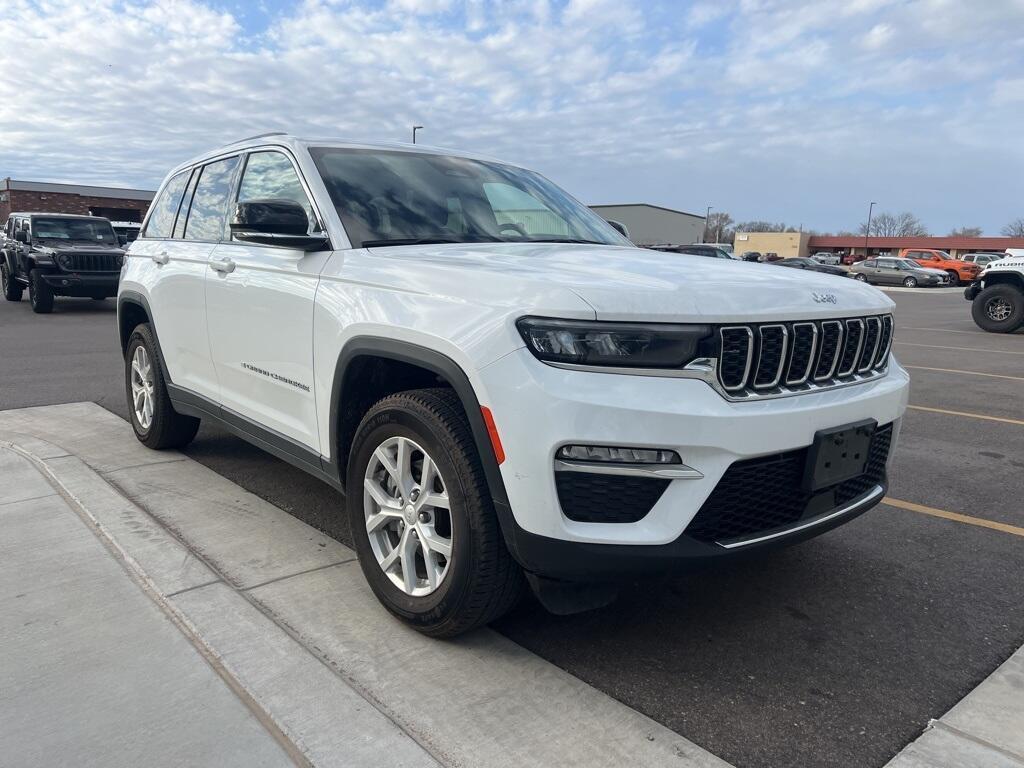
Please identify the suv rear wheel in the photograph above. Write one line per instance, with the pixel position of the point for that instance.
(40, 295)
(157, 425)
(422, 519)
(954, 277)
(11, 287)
(999, 309)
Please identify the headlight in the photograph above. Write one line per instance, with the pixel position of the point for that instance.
(624, 345)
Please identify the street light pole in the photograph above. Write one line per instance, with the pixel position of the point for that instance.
(414, 129)
(707, 223)
(867, 231)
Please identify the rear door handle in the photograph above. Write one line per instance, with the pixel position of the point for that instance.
(223, 266)
(162, 258)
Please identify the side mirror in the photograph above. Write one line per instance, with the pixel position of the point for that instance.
(277, 222)
(619, 227)
(21, 235)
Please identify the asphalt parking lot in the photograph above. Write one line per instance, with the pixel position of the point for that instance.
(836, 652)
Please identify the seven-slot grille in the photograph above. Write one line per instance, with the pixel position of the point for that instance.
(89, 262)
(774, 358)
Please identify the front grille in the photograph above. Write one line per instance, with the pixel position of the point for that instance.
(790, 357)
(90, 262)
(587, 497)
(757, 496)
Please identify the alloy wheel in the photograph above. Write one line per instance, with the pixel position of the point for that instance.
(143, 395)
(408, 516)
(998, 309)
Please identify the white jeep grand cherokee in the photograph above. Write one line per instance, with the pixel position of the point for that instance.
(507, 390)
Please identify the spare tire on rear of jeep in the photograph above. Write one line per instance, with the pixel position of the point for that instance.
(999, 308)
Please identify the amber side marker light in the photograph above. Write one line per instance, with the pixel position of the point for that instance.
(492, 432)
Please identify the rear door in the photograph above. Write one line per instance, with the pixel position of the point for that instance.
(175, 248)
(260, 312)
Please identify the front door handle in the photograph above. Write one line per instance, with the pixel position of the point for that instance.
(223, 266)
(162, 258)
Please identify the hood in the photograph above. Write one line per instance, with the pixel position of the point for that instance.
(634, 283)
(932, 271)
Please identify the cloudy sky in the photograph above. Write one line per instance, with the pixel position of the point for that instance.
(770, 109)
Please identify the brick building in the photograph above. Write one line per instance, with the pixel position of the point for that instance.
(115, 203)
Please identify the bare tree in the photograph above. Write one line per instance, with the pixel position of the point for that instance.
(1015, 228)
(719, 228)
(966, 232)
(886, 224)
(762, 226)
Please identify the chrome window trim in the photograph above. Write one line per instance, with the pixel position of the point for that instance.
(839, 348)
(750, 353)
(782, 355)
(860, 347)
(811, 360)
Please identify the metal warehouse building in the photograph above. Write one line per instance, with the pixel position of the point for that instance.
(115, 203)
(654, 225)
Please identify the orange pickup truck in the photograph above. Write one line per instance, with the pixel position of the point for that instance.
(958, 271)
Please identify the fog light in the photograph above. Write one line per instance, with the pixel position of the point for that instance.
(604, 453)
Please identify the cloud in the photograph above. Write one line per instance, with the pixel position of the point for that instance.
(616, 98)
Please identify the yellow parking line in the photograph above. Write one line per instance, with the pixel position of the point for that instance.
(959, 349)
(955, 516)
(1018, 422)
(966, 373)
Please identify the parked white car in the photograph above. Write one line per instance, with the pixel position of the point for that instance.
(824, 257)
(500, 382)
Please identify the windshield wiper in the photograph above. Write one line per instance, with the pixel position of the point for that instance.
(427, 241)
(559, 240)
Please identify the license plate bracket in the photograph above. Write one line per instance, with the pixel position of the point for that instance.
(838, 454)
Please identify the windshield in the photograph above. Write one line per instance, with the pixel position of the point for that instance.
(74, 230)
(401, 198)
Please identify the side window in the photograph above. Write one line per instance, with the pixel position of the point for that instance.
(208, 216)
(519, 210)
(270, 175)
(186, 201)
(886, 263)
(870, 263)
(165, 207)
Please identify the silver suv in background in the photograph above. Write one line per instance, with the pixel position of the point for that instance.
(893, 271)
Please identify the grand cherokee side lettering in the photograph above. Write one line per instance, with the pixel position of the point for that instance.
(275, 376)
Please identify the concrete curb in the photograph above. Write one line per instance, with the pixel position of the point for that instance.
(285, 613)
(985, 729)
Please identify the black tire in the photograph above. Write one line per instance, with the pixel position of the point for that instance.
(12, 288)
(40, 295)
(910, 282)
(954, 278)
(483, 581)
(168, 429)
(996, 301)
(862, 277)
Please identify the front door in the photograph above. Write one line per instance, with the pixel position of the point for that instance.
(259, 303)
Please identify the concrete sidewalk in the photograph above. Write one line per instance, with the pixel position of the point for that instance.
(94, 672)
(218, 629)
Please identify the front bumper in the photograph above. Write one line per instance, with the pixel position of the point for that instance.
(539, 408)
(971, 291)
(78, 284)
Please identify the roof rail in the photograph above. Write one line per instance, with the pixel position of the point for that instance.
(257, 136)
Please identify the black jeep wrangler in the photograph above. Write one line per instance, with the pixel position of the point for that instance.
(57, 254)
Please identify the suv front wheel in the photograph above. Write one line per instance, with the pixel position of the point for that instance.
(40, 295)
(157, 425)
(999, 308)
(422, 519)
